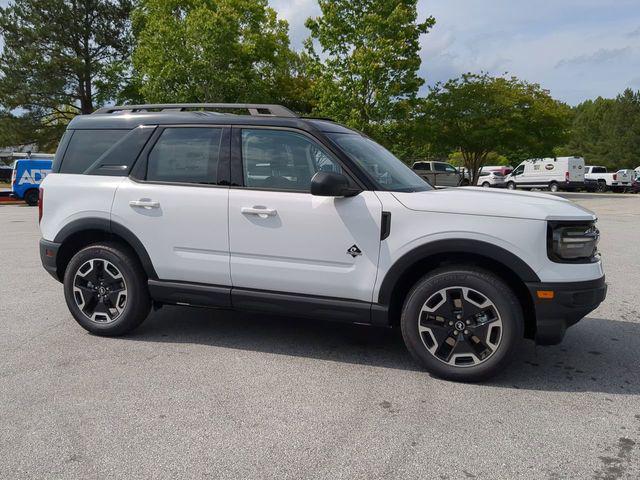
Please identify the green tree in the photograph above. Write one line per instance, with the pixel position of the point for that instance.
(607, 131)
(60, 58)
(364, 63)
(214, 51)
(479, 114)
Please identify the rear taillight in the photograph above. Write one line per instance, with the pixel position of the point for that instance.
(615, 176)
(40, 203)
(13, 178)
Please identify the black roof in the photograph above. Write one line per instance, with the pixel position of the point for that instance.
(128, 120)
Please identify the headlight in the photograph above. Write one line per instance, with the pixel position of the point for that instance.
(573, 242)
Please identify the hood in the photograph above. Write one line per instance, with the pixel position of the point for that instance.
(495, 203)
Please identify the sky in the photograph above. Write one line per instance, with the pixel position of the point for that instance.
(577, 49)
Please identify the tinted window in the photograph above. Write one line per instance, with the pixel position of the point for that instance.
(599, 170)
(421, 166)
(86, 146)
(282, 160)
(385, 169)
(185, 155)
(439, 167)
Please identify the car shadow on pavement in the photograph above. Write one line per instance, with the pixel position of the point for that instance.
(597, 355)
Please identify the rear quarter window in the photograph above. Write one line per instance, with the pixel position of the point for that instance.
(86, 146)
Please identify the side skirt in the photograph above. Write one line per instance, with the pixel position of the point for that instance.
(276, 303)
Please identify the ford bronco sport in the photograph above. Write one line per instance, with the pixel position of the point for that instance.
(181, 204)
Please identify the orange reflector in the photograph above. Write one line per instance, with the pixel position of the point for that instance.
(49, 253)
(545, 294)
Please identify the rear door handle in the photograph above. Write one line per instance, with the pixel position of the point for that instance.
(144, 203)
(262, 212)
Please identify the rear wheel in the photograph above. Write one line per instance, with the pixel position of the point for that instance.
(553, 187)
(31, 197)
(486, 184)
(602, 186)
(105, 289)
(511, 185)
(462, 323)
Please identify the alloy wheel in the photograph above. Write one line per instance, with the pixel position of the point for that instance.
(460, 326)
(100, 290)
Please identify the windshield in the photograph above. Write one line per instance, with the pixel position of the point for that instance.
(385, 169)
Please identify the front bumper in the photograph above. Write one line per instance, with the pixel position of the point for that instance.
(571, 302)
(49, 257)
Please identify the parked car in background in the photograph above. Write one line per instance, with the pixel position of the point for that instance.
(605, 180)
(502, 169)
(490, 178)
(440, 174)
(5, 173)
(560, 173)
(28, 174)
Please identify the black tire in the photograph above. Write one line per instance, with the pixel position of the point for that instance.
(508, 321)
(137, 301)
(553, 187)
(31, 197)
(602, 186)
(511, 185)
(486, 184)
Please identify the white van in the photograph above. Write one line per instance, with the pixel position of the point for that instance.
(560, 173)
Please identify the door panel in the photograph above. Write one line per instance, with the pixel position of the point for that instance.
(185, 234)
(301, 245)
(175, 206)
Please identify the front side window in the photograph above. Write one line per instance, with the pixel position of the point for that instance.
(450, 169)
(185, 155)
(86, 146)
(518, 170)
(282, 160)
(385, 169)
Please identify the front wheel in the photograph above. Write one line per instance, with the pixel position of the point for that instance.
(511, 185)
(462, 323)
(106, 290)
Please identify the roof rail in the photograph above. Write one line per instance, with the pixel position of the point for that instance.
(255, 109)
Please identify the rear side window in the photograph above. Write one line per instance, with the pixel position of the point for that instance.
(185, 155)
(599, 170)
(86, 146)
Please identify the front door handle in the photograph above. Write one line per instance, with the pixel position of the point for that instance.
(262, 212)
(143, 203)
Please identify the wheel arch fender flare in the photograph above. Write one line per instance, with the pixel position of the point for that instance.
(451, 247)
(111, 228)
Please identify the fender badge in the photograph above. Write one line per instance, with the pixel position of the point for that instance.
(354, 251)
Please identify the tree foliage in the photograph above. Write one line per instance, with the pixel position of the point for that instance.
(364, 62)
(215, 51)
(607, 131)
(479, 114)
(60, 58)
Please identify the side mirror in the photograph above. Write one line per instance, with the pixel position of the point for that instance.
(330, 184)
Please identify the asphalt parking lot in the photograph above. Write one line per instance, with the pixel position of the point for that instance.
(210, 394)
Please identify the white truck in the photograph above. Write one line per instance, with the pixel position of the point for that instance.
(605, 180)
(560, 173)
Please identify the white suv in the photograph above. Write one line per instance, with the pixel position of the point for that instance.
(178, 204)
